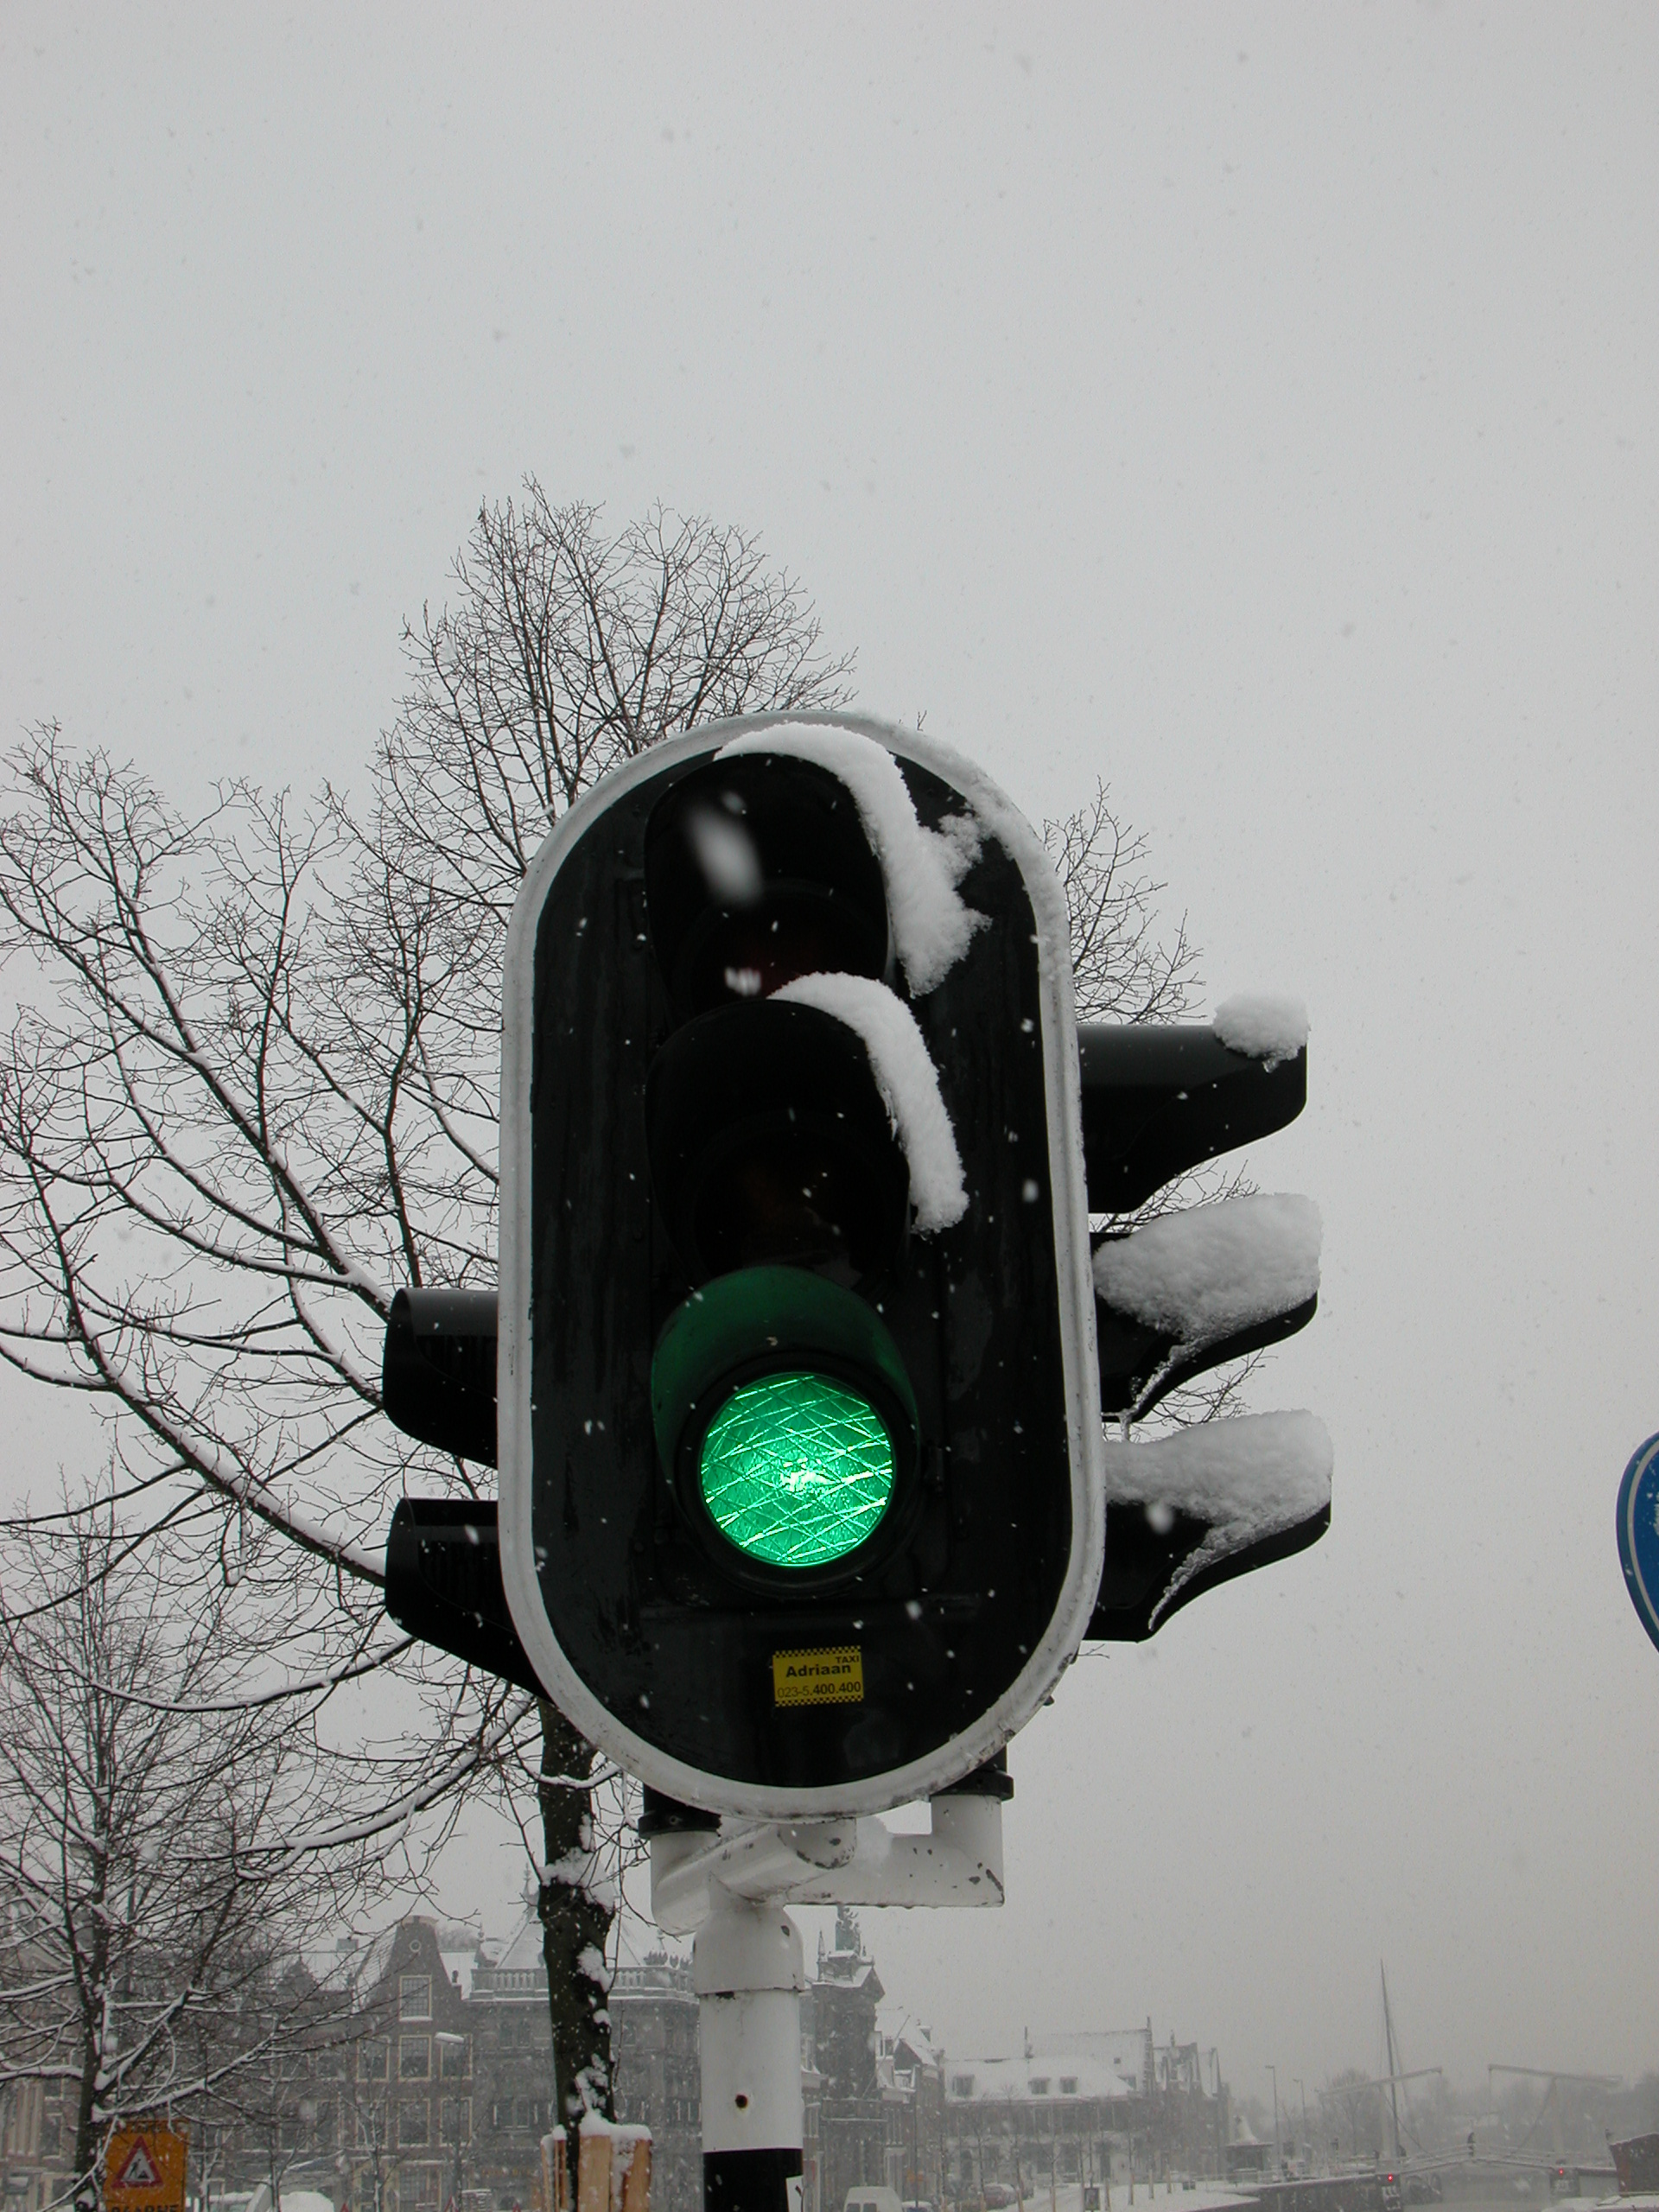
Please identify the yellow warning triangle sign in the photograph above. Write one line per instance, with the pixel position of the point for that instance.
(139, 2170)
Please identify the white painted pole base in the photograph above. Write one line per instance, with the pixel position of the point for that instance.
(749, 1971)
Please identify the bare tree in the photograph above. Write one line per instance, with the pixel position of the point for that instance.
(1128, 965)
(159, 1821)
(252, 1089)
(1351, 2107)
(565, 654)
(1124, 966)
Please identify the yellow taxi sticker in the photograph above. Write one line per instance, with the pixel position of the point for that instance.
(835, 1676)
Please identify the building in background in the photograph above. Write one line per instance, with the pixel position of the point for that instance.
(1083, 2109)
(428, 2083)
(915, 2067)
(659, 2079)
(422, 2080)
(852, 2131)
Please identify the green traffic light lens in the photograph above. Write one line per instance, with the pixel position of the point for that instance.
(797, 1470)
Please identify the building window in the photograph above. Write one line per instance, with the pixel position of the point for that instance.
(455, 2123)
(1040, 2087)
(331, 2064)
(455, 2058)
(414, 2058)
(413, 2123)
(962, 2085)
(372, 2059)
(416, 2185)
(415, 1997)
(1068, 2085)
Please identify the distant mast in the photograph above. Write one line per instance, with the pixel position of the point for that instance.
(1391, 2062)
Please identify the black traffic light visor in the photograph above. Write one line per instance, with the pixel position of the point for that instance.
(1144, 1562)
(757, 871)
(1137, 1370)
(769, 1143)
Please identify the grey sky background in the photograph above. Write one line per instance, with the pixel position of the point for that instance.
(1257, 408)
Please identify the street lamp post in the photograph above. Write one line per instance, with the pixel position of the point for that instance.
(1278, 2160)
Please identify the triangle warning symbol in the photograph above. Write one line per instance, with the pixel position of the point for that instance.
(138, 2169)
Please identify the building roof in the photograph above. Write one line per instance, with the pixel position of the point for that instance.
(645, 1960)
(460, 1967)
(1122, 2049)
(899, 2026)
(1047, 2075)
(846, 1964)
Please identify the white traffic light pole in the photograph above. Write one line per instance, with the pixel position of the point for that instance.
(749, 1972)
(730, 1891)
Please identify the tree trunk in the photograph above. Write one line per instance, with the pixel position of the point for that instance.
(88, 2189)
(576, 1914)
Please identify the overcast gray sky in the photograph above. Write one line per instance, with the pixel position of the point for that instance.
(1256, 407)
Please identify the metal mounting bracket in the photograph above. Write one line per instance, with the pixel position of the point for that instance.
(844, 1861)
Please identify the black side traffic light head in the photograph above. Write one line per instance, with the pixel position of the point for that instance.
(1160, 1097)
(443, 1585)
(1189, 1291)
(437, 1377)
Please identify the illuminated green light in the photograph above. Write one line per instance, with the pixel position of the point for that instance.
(797, 1470)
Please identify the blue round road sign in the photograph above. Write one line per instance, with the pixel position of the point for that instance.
(1638, 1534)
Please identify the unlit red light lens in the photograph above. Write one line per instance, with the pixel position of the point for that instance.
(797, 1470)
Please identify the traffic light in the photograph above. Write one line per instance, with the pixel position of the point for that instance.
(803, 1352)
(1185, 1292)
(800, 1452)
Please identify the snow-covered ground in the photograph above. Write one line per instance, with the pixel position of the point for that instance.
(1643, 2200)
(1202, 2196)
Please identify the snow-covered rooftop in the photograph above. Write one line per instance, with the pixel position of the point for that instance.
(520, 1969)
(895, 2024)
(1045, 2075)
(459, 1967)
